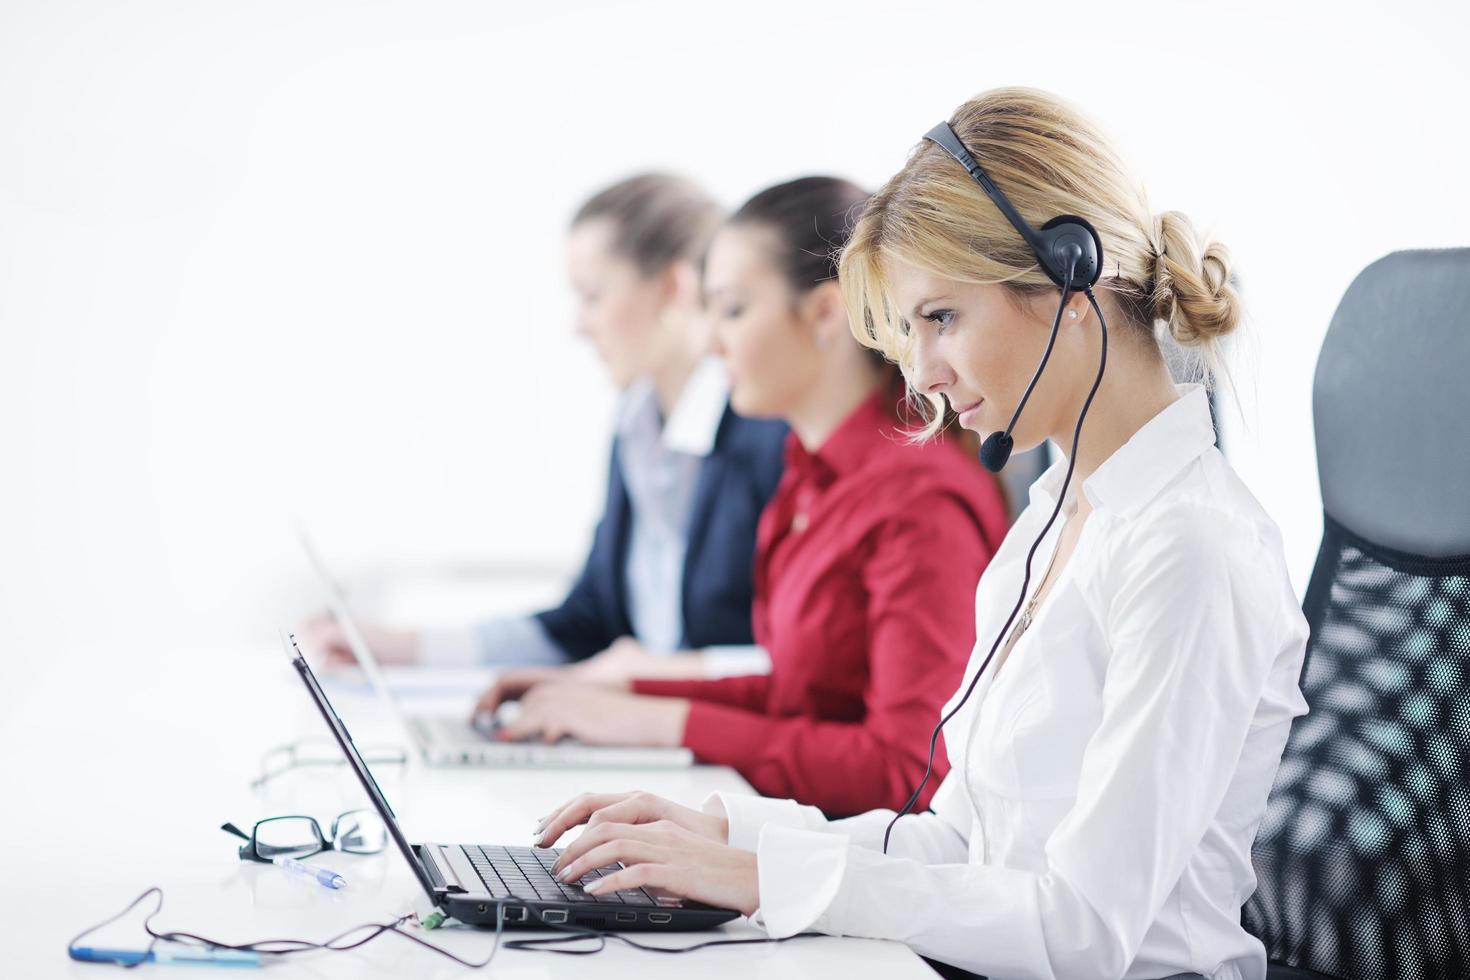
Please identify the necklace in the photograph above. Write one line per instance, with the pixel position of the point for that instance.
(1021, 626)
(1028, 614)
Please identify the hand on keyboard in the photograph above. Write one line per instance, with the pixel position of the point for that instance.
(525, 873)
(629, 808)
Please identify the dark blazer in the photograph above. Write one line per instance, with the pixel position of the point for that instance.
(735, 481)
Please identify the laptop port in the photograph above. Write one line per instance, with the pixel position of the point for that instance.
(515, 913)
(660, 917)
(627, 916)
(554, 917)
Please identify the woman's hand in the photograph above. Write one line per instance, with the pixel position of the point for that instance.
(509, 685)
(666, 857)
(594, 809)
(627, 659)
(613, 668)
(322, 637)
(663, 846)
(597, 716)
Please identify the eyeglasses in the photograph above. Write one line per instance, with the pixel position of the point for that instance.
(313, 752)
(353, 832)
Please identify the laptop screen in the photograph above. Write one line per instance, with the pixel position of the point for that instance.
(364, 775)
(361, 651)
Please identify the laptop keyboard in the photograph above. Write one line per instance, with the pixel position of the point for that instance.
(525, 873)
(446, 731)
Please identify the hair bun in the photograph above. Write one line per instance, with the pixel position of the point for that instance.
(1193, 290)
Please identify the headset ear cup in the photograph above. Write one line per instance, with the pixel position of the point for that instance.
(1065, 229)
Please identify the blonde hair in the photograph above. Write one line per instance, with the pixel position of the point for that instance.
(1049, 160)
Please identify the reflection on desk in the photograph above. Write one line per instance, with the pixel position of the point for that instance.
(120, 765)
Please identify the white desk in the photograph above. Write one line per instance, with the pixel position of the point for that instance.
(114, 780)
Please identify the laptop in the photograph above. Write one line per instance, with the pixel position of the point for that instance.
(476, 883)
(447, 740)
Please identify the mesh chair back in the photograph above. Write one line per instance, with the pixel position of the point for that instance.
(1363, 858)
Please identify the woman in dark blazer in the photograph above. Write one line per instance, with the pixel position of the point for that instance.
(735, 480)
(666, 589)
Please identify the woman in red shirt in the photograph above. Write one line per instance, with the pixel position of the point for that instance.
(866, 556)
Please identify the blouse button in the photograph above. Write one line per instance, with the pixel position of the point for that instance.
(799, 522)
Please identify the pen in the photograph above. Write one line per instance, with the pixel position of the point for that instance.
(196, 957)
(330, 879)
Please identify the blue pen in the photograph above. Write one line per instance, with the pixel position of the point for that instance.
(162, 954)
(329, 879)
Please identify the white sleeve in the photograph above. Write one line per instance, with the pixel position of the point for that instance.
(506, 641)
(747, 814)
(735, 660)
(938, 835)
(1193, 636)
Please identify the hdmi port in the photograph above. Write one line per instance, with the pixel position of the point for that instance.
(660, 917)
(627, 917)
(554, 916)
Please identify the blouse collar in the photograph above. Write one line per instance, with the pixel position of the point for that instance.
(1139, 469)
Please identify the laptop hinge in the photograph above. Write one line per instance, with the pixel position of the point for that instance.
(443, 869)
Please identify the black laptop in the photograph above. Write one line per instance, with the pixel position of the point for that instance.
(476, 882)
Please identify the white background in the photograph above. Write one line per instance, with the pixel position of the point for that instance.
(272, 262)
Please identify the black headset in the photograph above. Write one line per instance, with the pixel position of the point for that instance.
(1070, 253)
(1068, 249)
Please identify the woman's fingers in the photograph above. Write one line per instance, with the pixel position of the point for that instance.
(572, 813)
(339, 657)
(622, 808)
(637, 807)
(646, 875)
(623, 850)
(525, 724)
(511, 685)
(594, 837)
(645, 808)
(532, 725)
(689, 867)
(662, 855)
(497, 692)
(541, 715)
(321, 639)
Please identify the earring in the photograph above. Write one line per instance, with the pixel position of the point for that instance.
(1072, 314)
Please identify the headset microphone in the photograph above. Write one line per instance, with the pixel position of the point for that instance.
(995, 451)
(1070, 253)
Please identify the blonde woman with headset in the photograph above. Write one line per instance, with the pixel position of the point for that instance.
(1113, 743)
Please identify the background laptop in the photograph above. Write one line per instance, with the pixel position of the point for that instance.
(473, 882)
(448, 740)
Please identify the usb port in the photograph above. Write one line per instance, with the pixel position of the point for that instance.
(660, 917)
(554, 916)
(627, 917)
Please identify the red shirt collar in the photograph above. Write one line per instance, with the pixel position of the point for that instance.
(850, 443)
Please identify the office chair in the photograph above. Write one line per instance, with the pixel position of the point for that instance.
(1363, 858)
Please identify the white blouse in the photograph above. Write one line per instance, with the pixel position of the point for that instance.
(1117, 770)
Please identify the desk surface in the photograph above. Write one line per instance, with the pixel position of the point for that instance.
(117, 777)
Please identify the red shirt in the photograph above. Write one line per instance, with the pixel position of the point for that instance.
(867, 558)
